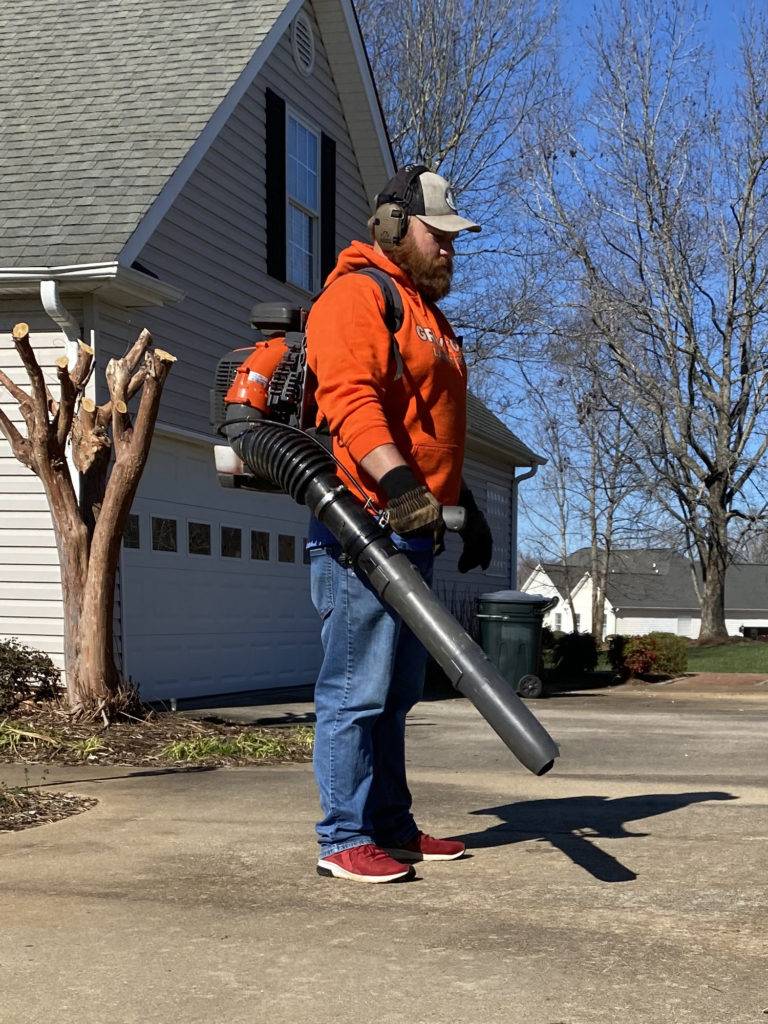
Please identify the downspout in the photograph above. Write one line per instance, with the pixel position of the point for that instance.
(513, 523)
(57, 311)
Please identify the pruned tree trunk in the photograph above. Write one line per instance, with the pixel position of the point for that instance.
(109, 451)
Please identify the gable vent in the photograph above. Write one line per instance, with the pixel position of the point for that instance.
(303, 42)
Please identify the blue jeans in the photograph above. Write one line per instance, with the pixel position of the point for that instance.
(372, 675)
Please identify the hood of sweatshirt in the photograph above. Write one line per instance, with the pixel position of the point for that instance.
(361, 254)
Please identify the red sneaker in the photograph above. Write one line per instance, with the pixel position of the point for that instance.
(424, 847)
(366, 863)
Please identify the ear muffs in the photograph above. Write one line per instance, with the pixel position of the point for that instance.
(390, 221)
(390, 224)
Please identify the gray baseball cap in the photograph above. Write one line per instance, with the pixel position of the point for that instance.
(427, 196)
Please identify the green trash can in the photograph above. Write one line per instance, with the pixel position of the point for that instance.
(510, 634)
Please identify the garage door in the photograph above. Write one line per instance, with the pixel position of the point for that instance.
(215, 585)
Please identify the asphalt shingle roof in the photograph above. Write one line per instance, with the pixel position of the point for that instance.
(486, 426)
(661, 578)
(100, 103)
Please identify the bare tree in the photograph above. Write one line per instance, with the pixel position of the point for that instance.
(655, 198)
(109, 449)
(456, 80)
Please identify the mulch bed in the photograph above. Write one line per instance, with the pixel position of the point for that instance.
(136, 742)
(24, 808)
(53, 738)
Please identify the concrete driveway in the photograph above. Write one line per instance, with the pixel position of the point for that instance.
(627, 886)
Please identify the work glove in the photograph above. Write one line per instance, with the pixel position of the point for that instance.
(476, 534)
(412, 510)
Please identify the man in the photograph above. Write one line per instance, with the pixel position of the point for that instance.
(396, 409)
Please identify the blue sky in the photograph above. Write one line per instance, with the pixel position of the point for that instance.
(720, 27)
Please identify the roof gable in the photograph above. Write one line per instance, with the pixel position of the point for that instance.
(118, 115)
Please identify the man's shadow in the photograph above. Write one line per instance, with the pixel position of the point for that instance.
(568, 824)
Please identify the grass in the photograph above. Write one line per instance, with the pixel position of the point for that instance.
(745, 656)
(245, 746)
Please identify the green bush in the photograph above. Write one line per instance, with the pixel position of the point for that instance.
(574, 654)
(24, 672)
(655, 653)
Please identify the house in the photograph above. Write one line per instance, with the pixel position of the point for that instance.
(167, 166)
(656, 590)
(554, 579)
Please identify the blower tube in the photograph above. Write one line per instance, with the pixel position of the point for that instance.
(294, 462)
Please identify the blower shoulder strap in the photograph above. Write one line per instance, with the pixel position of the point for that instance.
(393, 310)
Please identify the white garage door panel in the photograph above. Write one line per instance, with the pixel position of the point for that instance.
(197, 624)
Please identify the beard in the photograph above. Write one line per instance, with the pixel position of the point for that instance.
(432, 276)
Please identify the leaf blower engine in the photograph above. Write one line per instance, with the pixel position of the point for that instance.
(263, 403)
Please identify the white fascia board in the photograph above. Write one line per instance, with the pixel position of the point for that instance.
(358, 48)
(94, 277)
(170, 191)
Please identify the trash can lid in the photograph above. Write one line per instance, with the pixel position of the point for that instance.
(515, 597)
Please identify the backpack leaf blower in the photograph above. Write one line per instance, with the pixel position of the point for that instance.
(262, 401)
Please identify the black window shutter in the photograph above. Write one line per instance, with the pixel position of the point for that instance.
(327, 206)
(275, 186)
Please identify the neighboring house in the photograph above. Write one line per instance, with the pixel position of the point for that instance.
(654, 590)
(553, 579)
(169, 165)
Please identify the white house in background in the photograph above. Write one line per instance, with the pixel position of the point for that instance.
(553, 579)
(169, 167)
(654, 590)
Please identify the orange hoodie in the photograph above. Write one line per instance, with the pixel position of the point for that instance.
(349, 349)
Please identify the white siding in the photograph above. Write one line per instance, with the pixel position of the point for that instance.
(30, 583)
(639, 625)
(559, 617)
(212, 242)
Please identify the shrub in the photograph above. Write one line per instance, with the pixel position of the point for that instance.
(574, 654)
(24, 671)
(656, 653)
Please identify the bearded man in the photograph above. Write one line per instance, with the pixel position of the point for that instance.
(395, 406)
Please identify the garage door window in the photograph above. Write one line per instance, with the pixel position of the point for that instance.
(163, 534)
(231, 542)
(260, 545)
(286, 548)
(199, 539)
(132, 533)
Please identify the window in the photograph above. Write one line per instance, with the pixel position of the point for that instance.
(260, 545)
(132, 532)
(558, 621)
(231, 542)
(286, 548)
(578, 623)
(199, 539)
(163, 534)
(302, 181)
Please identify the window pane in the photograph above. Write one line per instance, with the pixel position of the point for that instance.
(260, 545)
(132, 533)
(163, 534)
(286, 548)
(231, 541)
(302, 164)
(301, 261)
(199, 539)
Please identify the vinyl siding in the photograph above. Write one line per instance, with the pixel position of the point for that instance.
(212, 241)
(30, 582)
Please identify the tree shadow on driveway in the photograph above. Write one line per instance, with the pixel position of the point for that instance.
(569, 823)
